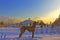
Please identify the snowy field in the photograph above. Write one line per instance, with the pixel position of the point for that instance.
(47, 33)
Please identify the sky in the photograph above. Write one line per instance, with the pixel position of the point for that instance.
(30, 8)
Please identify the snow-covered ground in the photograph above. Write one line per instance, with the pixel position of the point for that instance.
(47, 33)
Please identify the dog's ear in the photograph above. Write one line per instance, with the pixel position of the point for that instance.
(35, 22)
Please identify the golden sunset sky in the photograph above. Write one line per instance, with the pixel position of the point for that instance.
(46, 10)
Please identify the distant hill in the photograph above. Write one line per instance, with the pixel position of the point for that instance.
(2, 18)
(7, 20)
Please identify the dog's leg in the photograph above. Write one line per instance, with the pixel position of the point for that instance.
(33, 34)
(22, 31)
(20, 34)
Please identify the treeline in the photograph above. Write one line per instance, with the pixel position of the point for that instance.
(2, 24)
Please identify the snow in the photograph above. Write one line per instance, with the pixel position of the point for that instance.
(45, 33)
(27, 22)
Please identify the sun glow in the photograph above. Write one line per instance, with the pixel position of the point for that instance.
(54, 14)
(51, 16)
